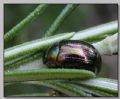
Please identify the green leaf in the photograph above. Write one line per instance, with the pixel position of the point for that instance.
(97, 33)
(100, 84)
(33, 15)
(43, 74)
(95, 92)
(60, 19)
(33, 46)
(15, 63)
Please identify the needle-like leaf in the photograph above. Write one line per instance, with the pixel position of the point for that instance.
(42, 74)
(33, 15)
(100, 84)
(33, 46)
(97, 33)
(61, 17)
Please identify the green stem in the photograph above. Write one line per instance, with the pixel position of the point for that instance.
(58, 21)
(33, 15)
(42, 74)
(97, 33)
(33, 46)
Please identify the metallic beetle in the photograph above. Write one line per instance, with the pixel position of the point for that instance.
(73, 54)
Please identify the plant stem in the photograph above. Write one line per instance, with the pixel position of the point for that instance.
(61, 17)
(108, 46)
(33, 46)
(42, 74)
(16, 29)
(97, 33)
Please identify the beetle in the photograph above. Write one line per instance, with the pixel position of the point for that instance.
(73, 54)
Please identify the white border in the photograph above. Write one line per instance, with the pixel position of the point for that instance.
(40, 1)
(60, 1)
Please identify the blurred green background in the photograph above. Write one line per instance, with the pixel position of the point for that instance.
(84, 16)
